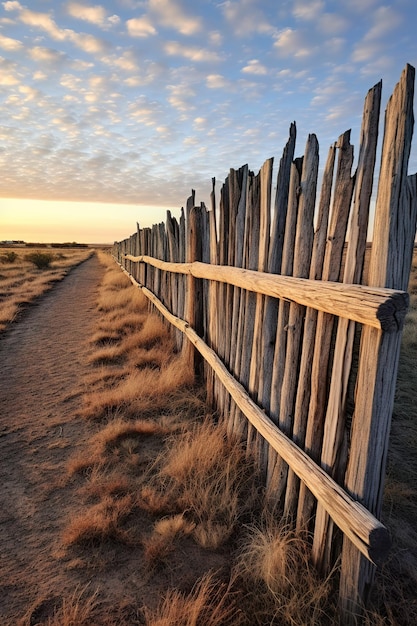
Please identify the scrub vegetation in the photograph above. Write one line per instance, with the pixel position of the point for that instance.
(24, 276)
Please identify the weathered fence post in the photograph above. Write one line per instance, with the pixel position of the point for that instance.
(193, 299)
(392, 245)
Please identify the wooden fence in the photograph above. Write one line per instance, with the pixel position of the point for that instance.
(299, 343)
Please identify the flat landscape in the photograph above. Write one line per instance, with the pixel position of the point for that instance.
(122, 500)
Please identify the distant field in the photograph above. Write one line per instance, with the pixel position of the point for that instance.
(21, 280)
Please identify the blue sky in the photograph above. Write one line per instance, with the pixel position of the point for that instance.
(133, 103)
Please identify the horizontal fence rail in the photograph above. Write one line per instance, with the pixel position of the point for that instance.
(381, 308)
(295, 323)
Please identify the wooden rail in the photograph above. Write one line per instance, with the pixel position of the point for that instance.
(381, 308)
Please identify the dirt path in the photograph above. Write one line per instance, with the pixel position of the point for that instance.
(42, 364)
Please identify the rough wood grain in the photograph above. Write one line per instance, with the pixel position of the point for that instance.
(334, 428)
(321, 359)
(378, 307)
(304, 384)
(394, 234)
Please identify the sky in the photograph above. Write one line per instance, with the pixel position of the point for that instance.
(111, 112)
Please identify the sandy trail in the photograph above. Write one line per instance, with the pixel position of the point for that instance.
(42, 365)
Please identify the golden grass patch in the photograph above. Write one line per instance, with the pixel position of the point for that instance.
(210, 603)
(278, 576)
(21, 282)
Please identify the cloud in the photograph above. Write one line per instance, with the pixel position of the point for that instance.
(29, 92)
(291, 42)
(42, 21)
(366, 50)
(12, 6)
(174, 48)
(7, 43)
(46, 55)
(217, 81)
(144, 111)
(246, 18)
(171, 15)
(373, 46)
(84, 41)
(94, 14)
(69, 81)
(332, 23)
(255, 67)
(180, 96)
(308, 9)
(140, 27)
(39, 75)
(386, 20)
(88, 43)
(125, 61)
(7, 79)
(200, 123)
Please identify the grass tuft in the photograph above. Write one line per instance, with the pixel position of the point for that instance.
(210, 603)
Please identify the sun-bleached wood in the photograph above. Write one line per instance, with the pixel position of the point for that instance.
(325, 322)
(378, 307)
(333, 460)
(307, 351)
(301, 267)
(394, 230)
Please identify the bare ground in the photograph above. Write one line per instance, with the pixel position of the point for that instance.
(43, 362)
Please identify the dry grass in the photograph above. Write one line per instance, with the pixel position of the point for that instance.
(21, 282)
(274, 565)
(101, 521)
(210, 603)
(207, 475)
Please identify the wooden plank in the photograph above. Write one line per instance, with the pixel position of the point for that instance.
(239, 298)
(212, 302)
(332, 459)
(264, 239)
(273, 479)
(393, 237)
(248, 299)
(378, 307)
(301, 269)
(194, 315)
(302, 401)
(274, 267)
(364, 530)
(321, 359)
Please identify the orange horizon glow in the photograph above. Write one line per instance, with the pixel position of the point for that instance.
(50, 221)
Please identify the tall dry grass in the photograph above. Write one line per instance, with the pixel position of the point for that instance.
(21, 282)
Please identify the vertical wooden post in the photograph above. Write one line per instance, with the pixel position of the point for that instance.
(274, 267)
(393, 240)
(302, 400)
(264, 240)
(193, 314)
(336, 407)
(331, 271)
